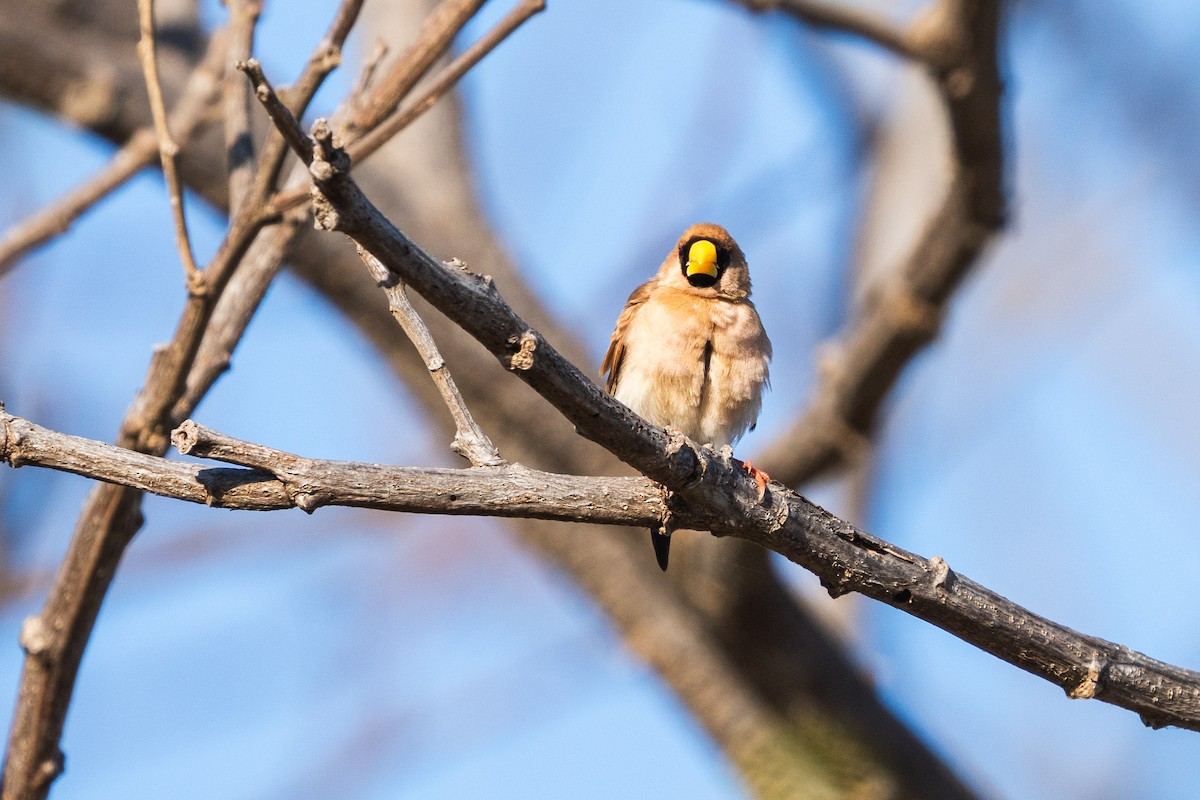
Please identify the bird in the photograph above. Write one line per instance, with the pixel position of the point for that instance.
(689, 351)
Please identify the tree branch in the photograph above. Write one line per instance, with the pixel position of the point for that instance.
(470, 441)
(262, 262)
(275, 480)
(326, 57)
(958, 42)
(390, 88)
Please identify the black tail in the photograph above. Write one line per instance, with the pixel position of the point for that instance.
(662, 547)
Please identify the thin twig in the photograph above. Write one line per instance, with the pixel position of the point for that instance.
(255, 273)
(56, 219)
(168, 147)
(470, 441)
(285, 121)
(366, 76)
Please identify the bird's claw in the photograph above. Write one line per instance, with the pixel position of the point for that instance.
(760, 477)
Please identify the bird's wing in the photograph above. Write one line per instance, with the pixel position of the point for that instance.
(616, 347)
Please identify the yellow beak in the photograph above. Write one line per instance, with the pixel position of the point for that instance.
(702, 259)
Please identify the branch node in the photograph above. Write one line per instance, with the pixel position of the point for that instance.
(912, 312)
(943, 576)
(1092, 683)
(35, 637)
(197, 283)
(781, 517)
(185, 436)
(384, 278)
(51, 767)
(836, 587)
(329, 149)
(325, 215)
(526, 345)
(685, 458)
(666, 520)
(306, 502)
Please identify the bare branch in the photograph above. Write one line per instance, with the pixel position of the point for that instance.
(168, 147)
(108, 521)
(56, 219)
(276, 480)
(470, 441)
(285, 121)
(366, 77)
(262, 262)
(234, 310)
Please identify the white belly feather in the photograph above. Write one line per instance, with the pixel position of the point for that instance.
(701, 373)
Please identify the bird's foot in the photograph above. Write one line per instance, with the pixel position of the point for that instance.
(760, 477)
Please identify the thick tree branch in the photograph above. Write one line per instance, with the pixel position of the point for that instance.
(958, 42)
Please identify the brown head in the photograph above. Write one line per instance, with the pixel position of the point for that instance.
(708, 262)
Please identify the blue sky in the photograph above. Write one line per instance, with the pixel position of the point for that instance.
(1045, 445)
